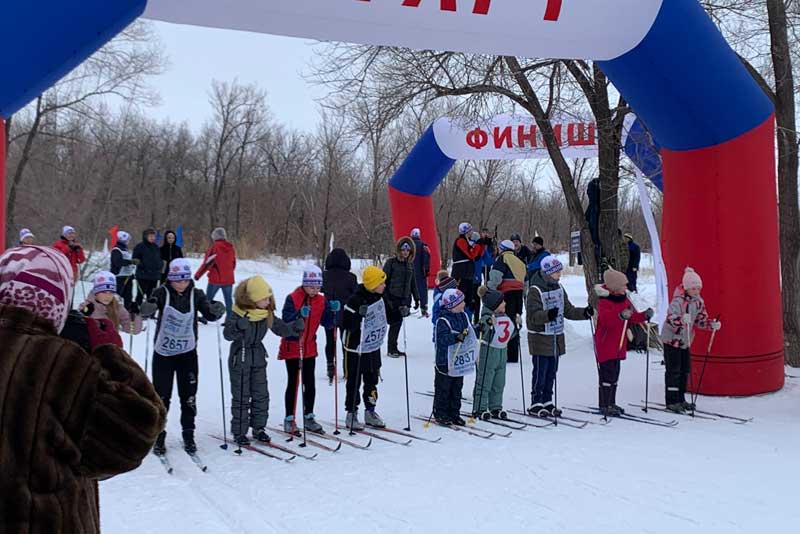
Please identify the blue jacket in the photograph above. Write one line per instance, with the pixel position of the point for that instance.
(486, 260)
(536, 262)
(444, 333)
(635, 256)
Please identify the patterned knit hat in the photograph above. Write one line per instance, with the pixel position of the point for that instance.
(123, 237)
(551, 265)
(24, 234)
(416, 233)
(692, 280)
(104, 281)
(38, 279)
(452, 298)
(464, 228)
(447, 283)
(179, 270)
(312, 276)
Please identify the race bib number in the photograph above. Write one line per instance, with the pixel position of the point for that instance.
(504, 329)
(176, 334)
(550, 300)
(462, 357)
(374, 327)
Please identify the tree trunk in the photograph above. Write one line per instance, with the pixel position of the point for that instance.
(787, 177)
(24, 159)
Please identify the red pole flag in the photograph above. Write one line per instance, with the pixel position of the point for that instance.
(113, 233)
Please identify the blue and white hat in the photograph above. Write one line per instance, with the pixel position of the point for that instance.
(506, 244)
(25, 233)
(179, 270)
(104, 281)
(551, 265)
(312, 276)
(123, 237)
(416, 233)
(464, 228)
(67, 230)
(452, 298)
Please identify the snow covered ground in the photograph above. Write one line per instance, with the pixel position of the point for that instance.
(702, 476)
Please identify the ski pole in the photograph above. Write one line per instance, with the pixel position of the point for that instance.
(224, 446)
(597, 360)
(354, 398)
(241, 392)
(519, 359)
(703, 369)
(302, 387)
(405, 362)
(555, 379)
(622, 337)
(335, 387)
(477, 408)
(146, 344)
(647, 369)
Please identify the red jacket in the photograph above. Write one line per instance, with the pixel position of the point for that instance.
(75, 256)
(320, 314)
(219, 262)
(609, 325)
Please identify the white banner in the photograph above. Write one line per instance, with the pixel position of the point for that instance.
(662, 286)
(596, 29)
(513, 137)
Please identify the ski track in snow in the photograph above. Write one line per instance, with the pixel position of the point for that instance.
(702, 476)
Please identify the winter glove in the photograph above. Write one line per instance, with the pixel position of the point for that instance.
(217, 309)
(363, 310)
(649, 313)
(335, 305)
(552, 314)
(461, 336)
(88, 309)
(298, 326)
(148, 309)
(102, 332)
(626, 314)
(687, 319)
(242, 323)
(715, 325)
(305, 311)
(74, 246)
(588, 312)
(405, 311)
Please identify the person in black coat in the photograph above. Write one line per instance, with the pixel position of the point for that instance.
(401, 288)
(634, 258)
(422, 268)
(338, 283)
(169, 251)
(124, 267)
(148, 268)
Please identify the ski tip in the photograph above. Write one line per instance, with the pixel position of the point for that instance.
(169, 471)
(290, 459)
(204, 469)
(369, 443)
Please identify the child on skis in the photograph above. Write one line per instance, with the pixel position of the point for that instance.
(687, 311)
(177, 304)
(253, 315)
(304, 302)
(124, 268)
(547, 307)
(365, 326)
(338, 283)
(104, 303)
(443, 283)
(456, 350)
(496, 330)
(614, 312)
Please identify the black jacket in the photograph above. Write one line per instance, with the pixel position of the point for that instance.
(117, 261)
(400, 282)
(182, 304)
(149, 256)
(351, 324)
(338, 283)
(169, 252)
(422, 259)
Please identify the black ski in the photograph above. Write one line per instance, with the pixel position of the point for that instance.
(377, 436)
(274, 445)
(626, 417)
(664, 410)
(740, 420)
(566, 421)
(197, 461)
(411, 435)
(309, 441)
(263, 452)
(499, 422)
(165, 462)
(482, 434)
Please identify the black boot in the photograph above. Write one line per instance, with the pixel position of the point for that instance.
(330, 372)
(188, 441)
(160, 448)
(262, 436)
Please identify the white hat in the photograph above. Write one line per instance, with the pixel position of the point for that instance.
(507, 244)
(452, 298)
(67, 230)
(179, 270)
(416, 233)
(464, 228)
(312, 276)
(24, 234)
(123, 237)
(551, 265)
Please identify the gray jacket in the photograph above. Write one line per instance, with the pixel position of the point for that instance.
(251, 339)
(540, 343)
(675, 333)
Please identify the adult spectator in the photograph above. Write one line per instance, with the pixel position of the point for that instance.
(26, 237)
(422, 268)
(538, 253)
(467, 248)
(148, 268)
(169, 251)
(634, 259)
(69, 246)
(220, 264)
(521, 251)
(401, 287)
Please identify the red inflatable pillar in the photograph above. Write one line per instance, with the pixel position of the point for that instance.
(412, 211)
(2, 185)
(721, 218)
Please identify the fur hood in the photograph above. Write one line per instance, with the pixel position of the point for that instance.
(409, 241)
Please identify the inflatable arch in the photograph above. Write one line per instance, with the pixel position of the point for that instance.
(714, 125)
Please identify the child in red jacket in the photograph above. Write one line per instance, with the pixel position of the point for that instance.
(613, 311)
(304, 302)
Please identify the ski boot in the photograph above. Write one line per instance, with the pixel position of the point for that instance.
(552, 410)
(160, 448)
(676, 407)
(289, 426)
(396, 354)
(371, 418)
(352, 422)
(537, 410)
(188, 441)
(311, 425)
(618, 408)
(611, 411)
(458, 421)
(261, 436)
(499, 414)
(442, 421)
(242, 440)
(484, 416)
(330, 374)
(689, 406)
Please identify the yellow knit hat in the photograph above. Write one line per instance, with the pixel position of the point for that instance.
(373, 277)
(258, 289)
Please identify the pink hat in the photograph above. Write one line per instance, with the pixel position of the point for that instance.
(38, 279)
(615, 281)
(692, 280)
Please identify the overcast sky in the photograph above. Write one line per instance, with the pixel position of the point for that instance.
(199, 55)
